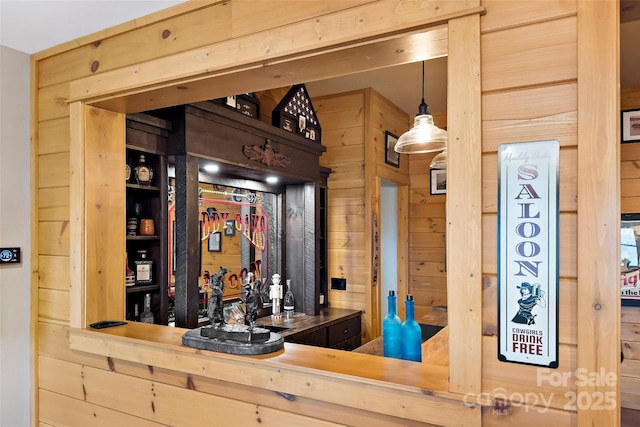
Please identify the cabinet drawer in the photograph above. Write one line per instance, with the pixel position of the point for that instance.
(317, 338)
(349, 344)
(343, 331)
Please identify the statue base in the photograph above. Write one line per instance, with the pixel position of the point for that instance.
(233, 339)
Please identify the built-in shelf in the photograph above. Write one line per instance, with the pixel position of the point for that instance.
(142, 288)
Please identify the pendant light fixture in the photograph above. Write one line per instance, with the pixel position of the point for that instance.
(424, 136)
(439, 161)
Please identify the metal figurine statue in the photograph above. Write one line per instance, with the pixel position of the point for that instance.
(215, 312)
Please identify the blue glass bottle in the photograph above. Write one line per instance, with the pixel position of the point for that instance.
(391, 329)
(410, 334)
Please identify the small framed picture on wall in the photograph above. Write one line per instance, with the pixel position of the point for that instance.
(630, 122)
(215, 242)
(391, 156)
(438, 181)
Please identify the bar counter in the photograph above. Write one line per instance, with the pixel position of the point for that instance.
(322, 374)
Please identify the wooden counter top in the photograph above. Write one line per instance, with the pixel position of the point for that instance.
(397, 387)
(300, 323)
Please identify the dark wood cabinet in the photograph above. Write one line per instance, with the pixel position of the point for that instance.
(147, 136)
(342, 333)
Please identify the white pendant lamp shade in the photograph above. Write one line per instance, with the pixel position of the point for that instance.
(424, 136)
(439, 160)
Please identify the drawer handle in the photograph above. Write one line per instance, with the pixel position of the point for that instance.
(346, 331)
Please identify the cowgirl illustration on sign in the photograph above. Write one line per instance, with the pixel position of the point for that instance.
(531, 295)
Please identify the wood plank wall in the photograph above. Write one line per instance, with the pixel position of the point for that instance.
(353, 126)
(427, 226)
(630, 203)
(528, 94)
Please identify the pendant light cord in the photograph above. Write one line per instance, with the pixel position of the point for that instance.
(423, 108)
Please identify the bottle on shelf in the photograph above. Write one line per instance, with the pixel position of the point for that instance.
(391, 326)
(130, 277)
(143, 172)
(136, 312)
(144, 268)
(410, 334)
(289, 301)
(147, 316)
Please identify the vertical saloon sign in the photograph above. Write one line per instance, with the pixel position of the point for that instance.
(528, 253)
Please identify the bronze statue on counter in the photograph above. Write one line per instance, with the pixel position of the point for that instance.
(252, 301)
(234, 338)
(215, 312)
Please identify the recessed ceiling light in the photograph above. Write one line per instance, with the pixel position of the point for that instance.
(272, 179)
(212, 168)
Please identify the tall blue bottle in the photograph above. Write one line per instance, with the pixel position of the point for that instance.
(391, 329)
(410, 334)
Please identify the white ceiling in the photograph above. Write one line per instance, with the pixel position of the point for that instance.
(31, 26)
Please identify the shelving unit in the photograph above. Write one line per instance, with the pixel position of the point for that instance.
(322, 238)
(147, 136)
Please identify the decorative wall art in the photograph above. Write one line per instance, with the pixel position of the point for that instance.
(230, 228)
(215, 242)
(246, 103)
(630, 259)
(438, 181)
(630, 122)
(391, 157)
(295, 113)
(528, 211)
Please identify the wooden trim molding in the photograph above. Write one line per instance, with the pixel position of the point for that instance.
(464, 205)
(599, 207)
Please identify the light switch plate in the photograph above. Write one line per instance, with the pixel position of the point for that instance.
(339, 283)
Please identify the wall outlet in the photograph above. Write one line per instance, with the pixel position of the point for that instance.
(339, 283)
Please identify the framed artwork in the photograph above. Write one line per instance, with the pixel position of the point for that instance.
(391, 157)
(230, 228)
(215, 242)
(438, 181)
(630, 122)
(630, 259)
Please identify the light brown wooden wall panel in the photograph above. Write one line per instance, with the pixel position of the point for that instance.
(157, 401)
(261, 16)
(629, 98)
(517, 378)
(52, 102)
(53, 170)
(53, 204)
(53, 272)
(529, 55)
(202, 27)
(341, 137)
(53, 136)
(527, 416)
(528, 104)
(53, 238)
(506, 14)
(53, 305)
(57, 410)
(340, 102)
(630, 393)
(426, 240)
